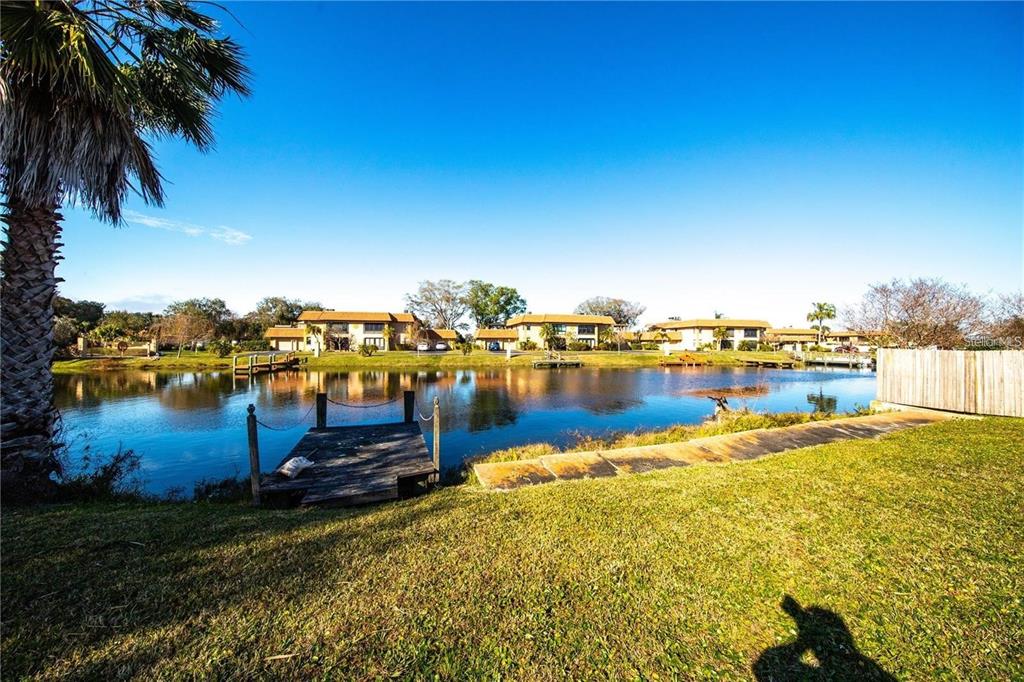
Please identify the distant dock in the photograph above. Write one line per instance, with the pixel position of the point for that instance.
(556, 361)
(266, 361)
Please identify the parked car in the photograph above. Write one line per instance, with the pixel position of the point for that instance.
(422, 345)
(441, 346)
(494, 346)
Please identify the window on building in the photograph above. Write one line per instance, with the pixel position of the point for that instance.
(375, 341)
(559, 328)
(750, 333)
(373, 327)
(340, 328)
(586, 330)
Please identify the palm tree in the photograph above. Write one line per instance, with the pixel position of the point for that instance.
(720, 334)
(547, 334)
(662, 336)
(84, 86)
(819, 313)
(389, 336)
(316, 333)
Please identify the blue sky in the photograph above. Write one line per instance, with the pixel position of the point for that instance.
(744, 158)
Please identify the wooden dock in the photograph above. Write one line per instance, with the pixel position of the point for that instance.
(353, 465)
(838, 359)
(781, 364)
(275, 361)
(556, 361)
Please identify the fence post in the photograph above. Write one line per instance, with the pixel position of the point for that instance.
(410, 405)
(254, 456)
(321, 410)
(437, 435)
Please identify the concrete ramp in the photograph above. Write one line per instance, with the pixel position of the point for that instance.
(729, 447)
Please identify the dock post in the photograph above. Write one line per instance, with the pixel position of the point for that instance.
(410, 405)
(437, 435)
(321, 410)
(254, 456)
(234, 364)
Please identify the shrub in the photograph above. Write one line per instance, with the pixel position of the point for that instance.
(252, 345)
(366, 350)
(220, 347)
(649, 346)
(226, 490)
(765, 347)
(577, 346)
(99, 479)
(466, 347)
(527, 345)
(747, 345)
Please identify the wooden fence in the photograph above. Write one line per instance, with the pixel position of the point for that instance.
(975, 382)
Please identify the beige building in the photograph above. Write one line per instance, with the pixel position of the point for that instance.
(505, 338)
(286, 338)
(586, 329)
(693, 334)
(339, 330)
(794, 340)
(791, 339)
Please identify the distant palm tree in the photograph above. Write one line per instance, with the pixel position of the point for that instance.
(389, 336)
(819, 313)
(720, 334)
(548, 335)
(316, 333)
(662, 336)
(84, 87)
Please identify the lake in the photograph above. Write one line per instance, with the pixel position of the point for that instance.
(191, 426)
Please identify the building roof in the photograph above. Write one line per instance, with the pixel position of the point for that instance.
(792, 334)
(847, 333)
(285, 333)
(673, 337)
(496, 335)
(530, 318)
(445, 334)
(709, 323)
(344, 316)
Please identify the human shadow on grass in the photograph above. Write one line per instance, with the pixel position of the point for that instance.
(823, 635)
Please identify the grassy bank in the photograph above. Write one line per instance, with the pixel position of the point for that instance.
(914, 543)
(729, 422)
(404, 360)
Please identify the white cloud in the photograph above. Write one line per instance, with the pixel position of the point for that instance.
(222, 233)
(230, 235)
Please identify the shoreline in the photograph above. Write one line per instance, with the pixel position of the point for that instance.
(408, 361)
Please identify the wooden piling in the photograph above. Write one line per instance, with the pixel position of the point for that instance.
(410, 406)
(321, 410)
(437, 435)
(254, 455)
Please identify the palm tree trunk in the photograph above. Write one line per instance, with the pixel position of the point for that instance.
(29, 418)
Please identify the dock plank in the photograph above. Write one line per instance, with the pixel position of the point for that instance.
(353, 465)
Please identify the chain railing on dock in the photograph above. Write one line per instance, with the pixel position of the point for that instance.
(320, 405)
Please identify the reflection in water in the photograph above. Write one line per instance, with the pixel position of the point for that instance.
(822, 402)
(189, 426)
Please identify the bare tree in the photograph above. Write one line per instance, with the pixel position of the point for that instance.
(442, 303)
(186, 328)
(919, 313)
(1007, 320)
(625, 313)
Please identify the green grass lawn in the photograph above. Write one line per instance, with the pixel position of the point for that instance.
(914, 541)
(405, 360)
